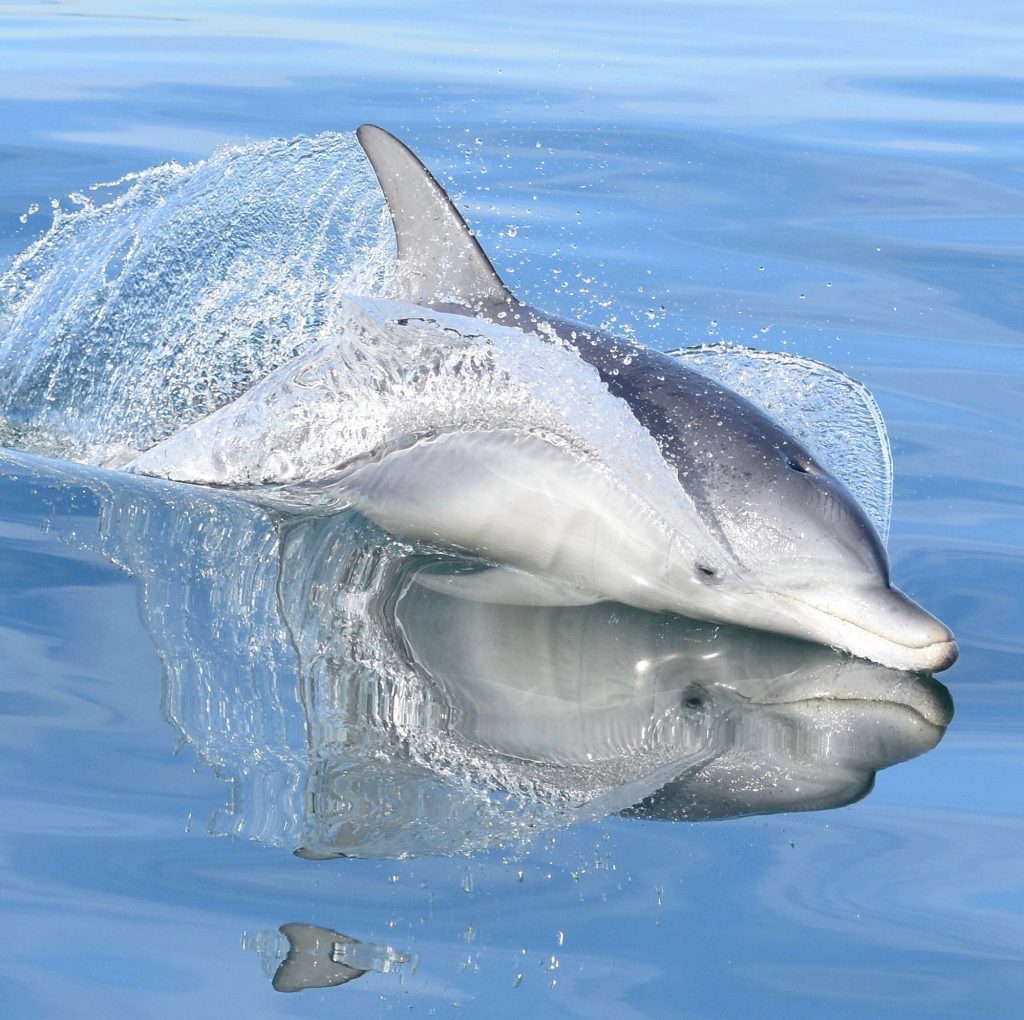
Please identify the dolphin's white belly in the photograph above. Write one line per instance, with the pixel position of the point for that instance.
(522, 501)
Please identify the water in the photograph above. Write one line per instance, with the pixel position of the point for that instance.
(841, 185)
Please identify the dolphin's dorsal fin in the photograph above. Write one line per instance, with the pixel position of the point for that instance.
(440, 262)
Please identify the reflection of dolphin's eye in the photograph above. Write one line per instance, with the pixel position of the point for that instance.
(693, 698)
(704, 571)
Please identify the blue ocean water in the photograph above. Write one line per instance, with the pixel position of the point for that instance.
(842, 183)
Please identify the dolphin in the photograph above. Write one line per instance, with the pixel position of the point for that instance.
(742, 525)
(787, 547)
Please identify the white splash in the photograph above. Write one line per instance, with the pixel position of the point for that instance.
(162, 296)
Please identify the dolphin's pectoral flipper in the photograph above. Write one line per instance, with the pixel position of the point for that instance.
(439, 259)
(507, 586)
(835, 417)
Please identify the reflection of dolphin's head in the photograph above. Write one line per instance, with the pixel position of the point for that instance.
(808, 743)
(357, 711)
(740, 720)
(802, 556)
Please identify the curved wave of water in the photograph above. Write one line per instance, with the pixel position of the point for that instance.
(834, 416)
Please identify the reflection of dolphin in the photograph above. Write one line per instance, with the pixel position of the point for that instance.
(316, 957)
(735, 521)
(760, 723)
(358, 710)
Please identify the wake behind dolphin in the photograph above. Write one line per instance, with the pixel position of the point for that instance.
(581, 466)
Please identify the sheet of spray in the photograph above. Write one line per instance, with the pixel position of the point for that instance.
(158, 298)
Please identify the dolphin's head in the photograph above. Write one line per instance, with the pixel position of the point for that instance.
(797, 553)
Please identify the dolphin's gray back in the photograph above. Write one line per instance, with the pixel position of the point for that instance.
(442, 266)
(683, 409)
(726, 452)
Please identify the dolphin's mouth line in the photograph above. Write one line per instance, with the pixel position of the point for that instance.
(832, 615)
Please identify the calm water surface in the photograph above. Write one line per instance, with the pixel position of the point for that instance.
(844, 183)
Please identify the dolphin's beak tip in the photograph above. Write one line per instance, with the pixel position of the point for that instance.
(946, 653)
(933, 658)
(935, 648)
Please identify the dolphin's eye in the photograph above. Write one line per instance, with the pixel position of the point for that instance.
(795, 465)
